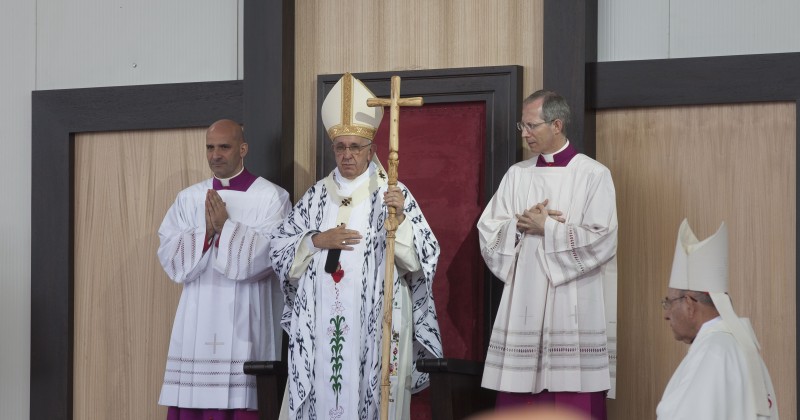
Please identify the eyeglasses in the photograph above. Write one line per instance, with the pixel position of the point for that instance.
(354, 149)
(667, 302)
(522, 126)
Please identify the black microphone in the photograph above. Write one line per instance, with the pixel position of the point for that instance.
(332, 263)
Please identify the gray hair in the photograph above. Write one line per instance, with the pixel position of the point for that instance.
(554, 106)
(700, 297)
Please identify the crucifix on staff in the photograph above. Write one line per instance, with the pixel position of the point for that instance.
(394, 104)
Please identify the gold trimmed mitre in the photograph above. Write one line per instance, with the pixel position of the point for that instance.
(700, 266)
(345, 111)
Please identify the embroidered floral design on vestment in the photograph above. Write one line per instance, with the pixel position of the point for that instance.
(337, 332)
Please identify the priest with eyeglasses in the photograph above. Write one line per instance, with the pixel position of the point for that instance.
(550, 235)
(723, 376)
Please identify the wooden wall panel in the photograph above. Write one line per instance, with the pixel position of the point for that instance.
(364, 36)
(732, 163)
(124, 303)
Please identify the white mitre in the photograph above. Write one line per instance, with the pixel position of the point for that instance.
(702, 266)
(345, 111)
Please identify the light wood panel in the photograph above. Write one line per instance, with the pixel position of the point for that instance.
(732, 163)
(124, 303)
(335, 36)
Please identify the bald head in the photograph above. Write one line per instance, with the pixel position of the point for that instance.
(227, 128)
(225, 148)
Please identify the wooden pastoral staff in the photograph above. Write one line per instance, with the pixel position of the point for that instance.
(394, 104)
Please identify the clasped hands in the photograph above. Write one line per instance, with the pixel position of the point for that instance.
(343, 238)
(216, 213)
(532, 221)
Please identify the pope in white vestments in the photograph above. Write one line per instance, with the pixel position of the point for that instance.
(550, 234)
(333, 316)
(723, 376)
(215, 241)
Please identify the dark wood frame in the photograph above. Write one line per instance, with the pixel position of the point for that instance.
(695, 81)
(498, 87)
(269, 93)
(57, 115)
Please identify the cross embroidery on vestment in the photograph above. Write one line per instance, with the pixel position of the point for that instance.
(214, 343)
(526, 316)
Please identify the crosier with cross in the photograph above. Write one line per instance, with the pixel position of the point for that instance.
(394, 105)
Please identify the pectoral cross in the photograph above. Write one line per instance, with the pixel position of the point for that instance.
(214, 343)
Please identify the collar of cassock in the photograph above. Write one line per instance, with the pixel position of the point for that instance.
(558, 159)
(239, 182)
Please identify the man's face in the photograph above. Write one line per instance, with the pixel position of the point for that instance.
(225, 150)
(352, 164)
(678, 317)
(543, 138)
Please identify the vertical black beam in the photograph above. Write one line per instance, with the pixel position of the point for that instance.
(51, 264)
(269, 89)
(570, 42)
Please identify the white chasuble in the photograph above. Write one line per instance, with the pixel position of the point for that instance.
(711, 381)
(555, 328)
(231, 301)
(334, 320)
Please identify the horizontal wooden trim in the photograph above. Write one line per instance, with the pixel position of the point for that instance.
(694, 81)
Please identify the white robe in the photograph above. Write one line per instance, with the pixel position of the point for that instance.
(335, 326)
(711, 381)
(231, 301)
(556, 324)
